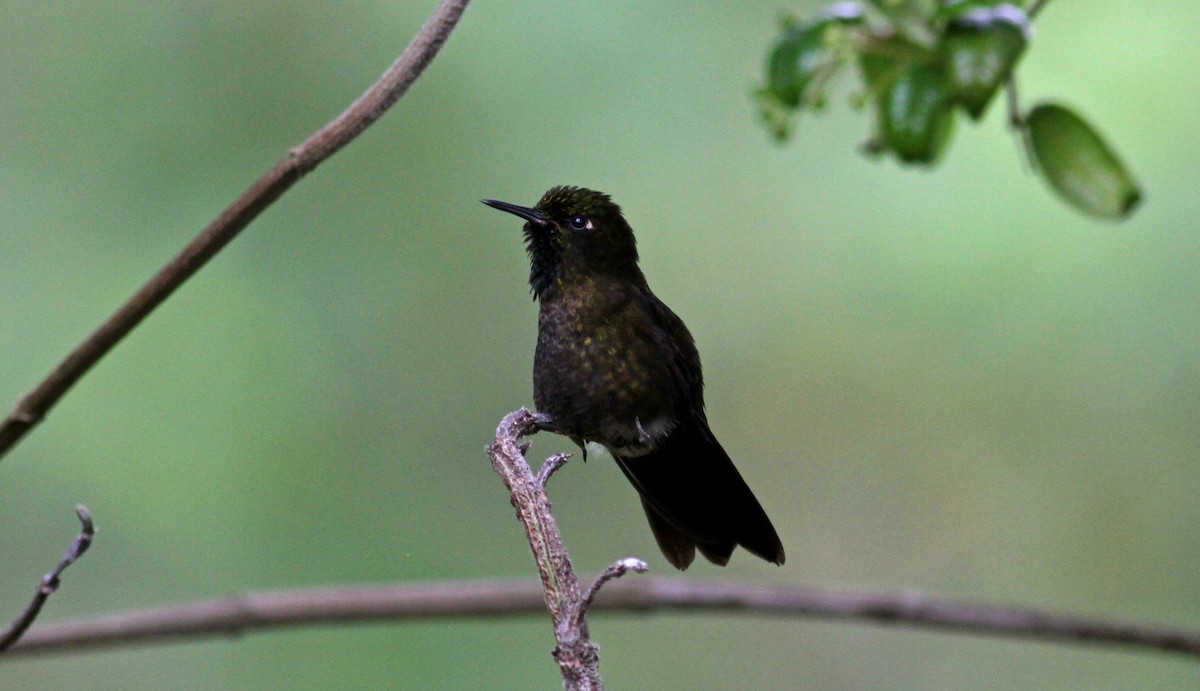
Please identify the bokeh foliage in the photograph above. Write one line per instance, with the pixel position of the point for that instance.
(943, 381)
(921, 62)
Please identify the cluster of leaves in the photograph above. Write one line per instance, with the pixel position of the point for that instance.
(923, 61)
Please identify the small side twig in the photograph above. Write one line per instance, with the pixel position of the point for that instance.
(616, 570)
(395, 82)
(549, 466)
(50, 581)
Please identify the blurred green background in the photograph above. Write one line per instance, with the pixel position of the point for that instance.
(942, 381)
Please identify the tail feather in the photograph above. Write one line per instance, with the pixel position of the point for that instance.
(717, 553)
(679, 549)
(695, 498)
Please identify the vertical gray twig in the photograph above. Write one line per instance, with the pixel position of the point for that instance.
(578, 658)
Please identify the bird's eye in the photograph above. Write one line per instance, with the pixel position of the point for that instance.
(578, 222)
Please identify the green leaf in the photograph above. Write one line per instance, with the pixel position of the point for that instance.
(1078, 164)
(807, 56)
(915, 118)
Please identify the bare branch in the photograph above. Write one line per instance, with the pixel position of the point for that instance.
(33, 407)
(50, 581)
(233, 616)
(578, 658)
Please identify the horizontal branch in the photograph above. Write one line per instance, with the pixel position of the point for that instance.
(233, 616)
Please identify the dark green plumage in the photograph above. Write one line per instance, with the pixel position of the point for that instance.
(614, 365)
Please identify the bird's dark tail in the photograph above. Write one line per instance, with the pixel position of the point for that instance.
(695, 499)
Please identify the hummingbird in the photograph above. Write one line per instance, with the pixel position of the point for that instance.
(615, 366)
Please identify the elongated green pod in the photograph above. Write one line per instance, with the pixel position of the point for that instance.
(1079, 164)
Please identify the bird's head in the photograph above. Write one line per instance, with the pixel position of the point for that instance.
(575, 233)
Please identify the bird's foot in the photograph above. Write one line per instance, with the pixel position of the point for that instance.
(544, 423)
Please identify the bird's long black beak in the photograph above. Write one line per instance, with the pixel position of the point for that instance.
(531, 215)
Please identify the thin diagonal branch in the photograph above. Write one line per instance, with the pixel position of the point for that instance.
(258, 612)
(33, 407)
(51, 581)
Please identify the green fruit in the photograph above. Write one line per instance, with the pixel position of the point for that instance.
(914, 115)
(979, 51)
(1078, 164)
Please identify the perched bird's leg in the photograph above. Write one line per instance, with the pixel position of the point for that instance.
(545, 423)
